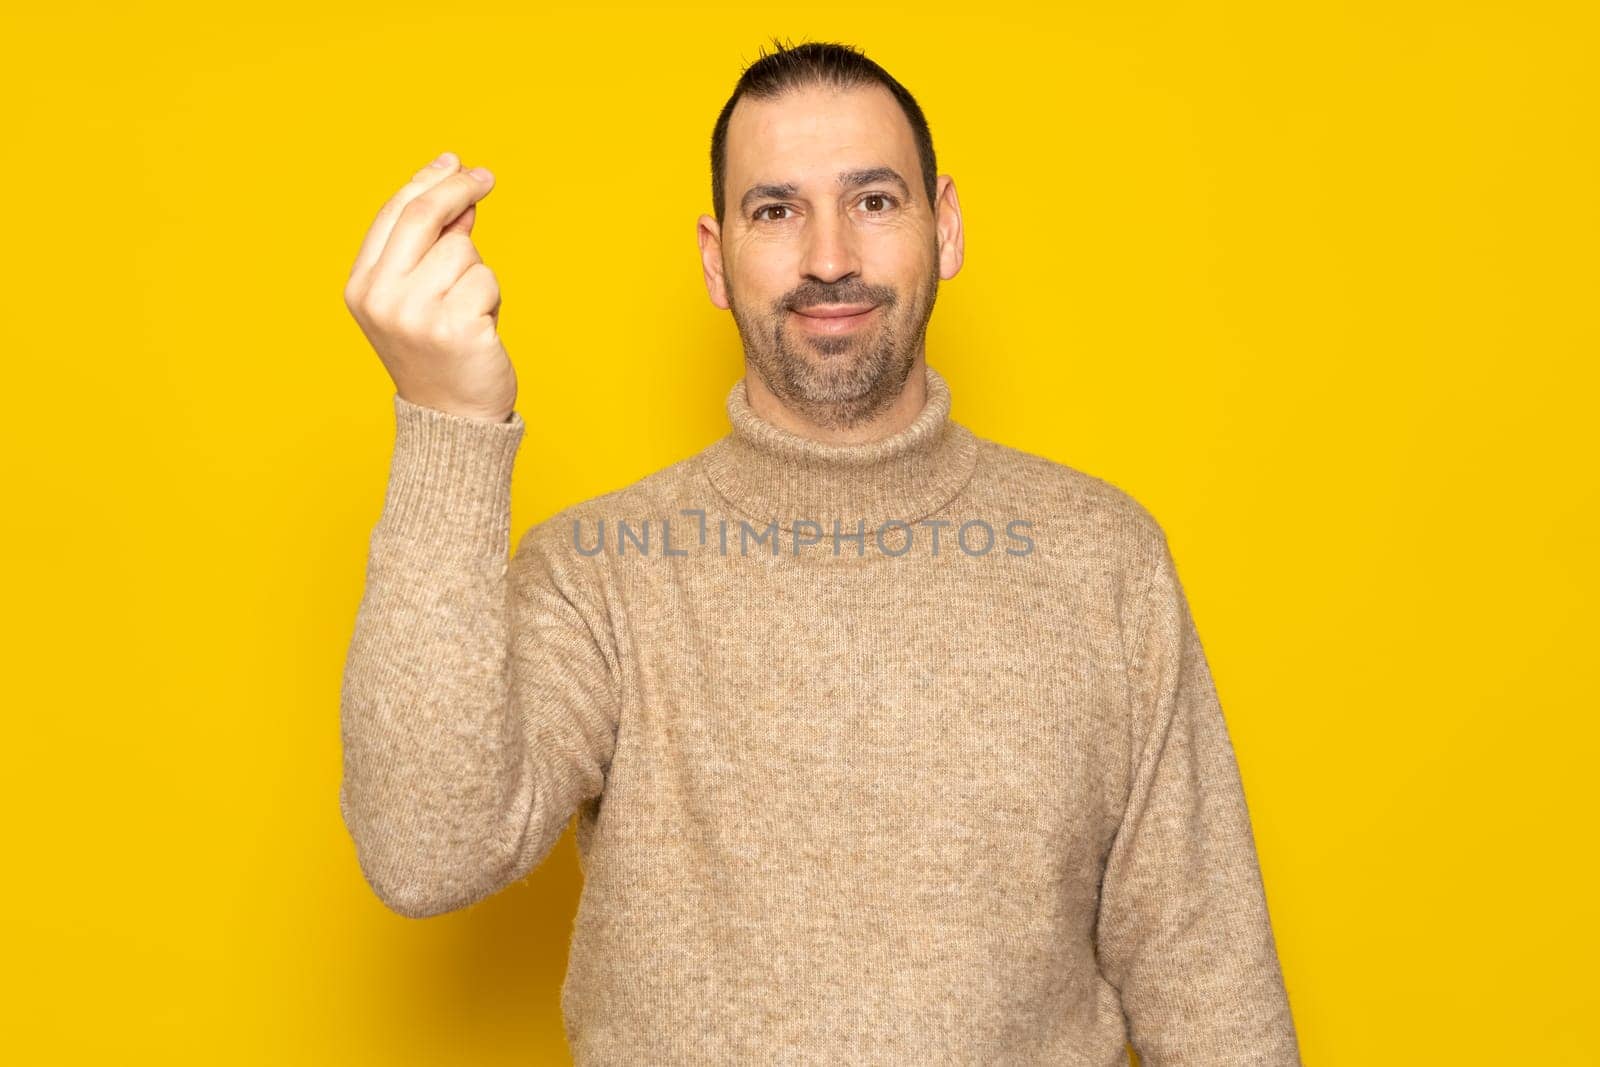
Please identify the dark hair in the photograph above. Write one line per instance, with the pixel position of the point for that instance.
(816, 64)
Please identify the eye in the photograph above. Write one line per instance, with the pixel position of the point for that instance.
(770, 207)
(879, 196)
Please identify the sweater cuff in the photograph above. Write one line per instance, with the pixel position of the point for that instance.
(450, 480)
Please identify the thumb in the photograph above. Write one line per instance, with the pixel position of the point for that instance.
(462, 223)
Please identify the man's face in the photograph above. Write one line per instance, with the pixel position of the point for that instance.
(826, 212)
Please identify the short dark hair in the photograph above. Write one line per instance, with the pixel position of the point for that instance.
(810, 64)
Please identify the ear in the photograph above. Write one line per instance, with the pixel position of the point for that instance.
(709, 234)
(947, 225)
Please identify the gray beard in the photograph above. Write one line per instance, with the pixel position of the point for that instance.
(836, 382)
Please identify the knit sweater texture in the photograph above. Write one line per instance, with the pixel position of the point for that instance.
(904, 752)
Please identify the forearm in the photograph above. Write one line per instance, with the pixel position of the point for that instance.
(438, 781)
(1184, 931)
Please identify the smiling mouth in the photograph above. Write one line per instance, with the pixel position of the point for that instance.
(834, 318)
(835, 311)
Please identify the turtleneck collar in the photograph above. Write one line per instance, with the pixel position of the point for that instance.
(767, 472)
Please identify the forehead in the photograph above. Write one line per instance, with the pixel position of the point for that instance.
(815, 132)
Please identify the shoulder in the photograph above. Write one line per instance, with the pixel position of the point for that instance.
(1087, 512)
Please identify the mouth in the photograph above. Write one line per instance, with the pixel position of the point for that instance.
(834, 318)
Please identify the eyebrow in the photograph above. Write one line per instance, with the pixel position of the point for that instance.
(849, 179)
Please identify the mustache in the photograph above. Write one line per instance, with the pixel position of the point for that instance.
(808, 295)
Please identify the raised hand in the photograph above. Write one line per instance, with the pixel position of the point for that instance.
(428, 303)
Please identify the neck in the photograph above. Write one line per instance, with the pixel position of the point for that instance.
(767, 471)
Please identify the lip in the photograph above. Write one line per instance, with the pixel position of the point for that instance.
(835, 318)
(835, 311)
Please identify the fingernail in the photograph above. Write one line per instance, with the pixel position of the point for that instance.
(481, 174)
(444, 160)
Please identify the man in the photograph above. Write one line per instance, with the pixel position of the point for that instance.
(888, 743)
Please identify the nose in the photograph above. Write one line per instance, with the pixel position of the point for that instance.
(830, 252)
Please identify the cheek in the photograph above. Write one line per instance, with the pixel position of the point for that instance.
(903, 258)
(760, 279)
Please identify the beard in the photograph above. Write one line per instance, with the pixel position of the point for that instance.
(841, 381)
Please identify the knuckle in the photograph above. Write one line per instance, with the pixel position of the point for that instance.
(417, 208)
(444, 331)
(379, 302)
(393, 205)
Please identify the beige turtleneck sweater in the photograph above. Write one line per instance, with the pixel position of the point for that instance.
(916, 793)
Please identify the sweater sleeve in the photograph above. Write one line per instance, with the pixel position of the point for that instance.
(477, 710)
(1183, 931)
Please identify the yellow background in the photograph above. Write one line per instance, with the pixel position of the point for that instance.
(1315, 282)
